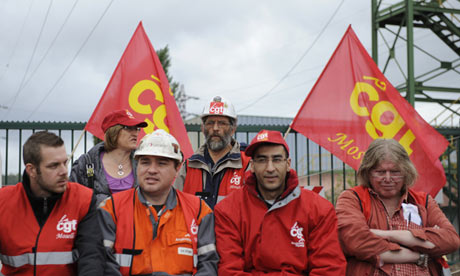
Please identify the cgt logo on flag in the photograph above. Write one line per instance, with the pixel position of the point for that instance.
(364, 107)
(382, 120)
(140, 85)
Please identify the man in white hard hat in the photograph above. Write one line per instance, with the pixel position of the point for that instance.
(217, 167)
(154, 229)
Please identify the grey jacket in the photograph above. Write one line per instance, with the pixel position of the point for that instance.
(101, 186)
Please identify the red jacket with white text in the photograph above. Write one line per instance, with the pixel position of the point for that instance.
(28, 249)
(296, 236)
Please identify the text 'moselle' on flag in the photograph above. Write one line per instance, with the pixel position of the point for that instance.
(139, 85)
(352, 103)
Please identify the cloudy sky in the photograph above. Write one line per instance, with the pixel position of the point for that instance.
(56, 57)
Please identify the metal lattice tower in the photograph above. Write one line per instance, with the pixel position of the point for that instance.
(401, 22)
(181, 100)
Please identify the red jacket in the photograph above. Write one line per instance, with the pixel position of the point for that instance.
(231, 181)
(25, 247)
(362, 248)
(296, 236)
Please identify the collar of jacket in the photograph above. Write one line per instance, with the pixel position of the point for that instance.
(171, 200)
(292, 181)
(38, 203)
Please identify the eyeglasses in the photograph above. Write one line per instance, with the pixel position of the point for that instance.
(380, 174)
(220, 124)
(264, 160)
(131, 128)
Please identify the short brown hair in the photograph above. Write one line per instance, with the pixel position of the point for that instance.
(111, 137)
(387, 150)
(32, 147)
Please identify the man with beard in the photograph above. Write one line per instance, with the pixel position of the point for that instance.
(217, 167)
(49, 225)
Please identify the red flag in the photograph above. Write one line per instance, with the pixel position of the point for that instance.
(140, 85)
(352, 103)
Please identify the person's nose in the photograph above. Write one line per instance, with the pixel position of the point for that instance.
(63, 169)
(152, 168)
(387, 176)
(270, 165)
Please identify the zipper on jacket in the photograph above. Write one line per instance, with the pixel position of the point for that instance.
(45, 206)
(155, 224)
(34, 250)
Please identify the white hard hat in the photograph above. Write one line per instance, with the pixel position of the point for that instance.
(159, 143)
(220, 107)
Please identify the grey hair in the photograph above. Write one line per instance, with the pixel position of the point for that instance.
(387, 150)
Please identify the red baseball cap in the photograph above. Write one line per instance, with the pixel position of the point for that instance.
(121, 117)
(266, 137)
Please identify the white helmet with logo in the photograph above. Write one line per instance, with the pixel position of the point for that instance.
(220, 107)
(159, 143)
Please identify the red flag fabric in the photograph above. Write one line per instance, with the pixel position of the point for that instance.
(139, 85)
(352, 103)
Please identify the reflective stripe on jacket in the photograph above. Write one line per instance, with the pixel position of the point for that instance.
(165, 241)
(27, 249)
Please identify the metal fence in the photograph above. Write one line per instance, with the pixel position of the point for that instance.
(315, 165)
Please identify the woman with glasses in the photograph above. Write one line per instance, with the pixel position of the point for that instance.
(109, 167)
(385, 227)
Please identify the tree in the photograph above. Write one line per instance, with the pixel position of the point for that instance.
(165, 59)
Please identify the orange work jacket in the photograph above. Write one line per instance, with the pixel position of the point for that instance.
(173, 250)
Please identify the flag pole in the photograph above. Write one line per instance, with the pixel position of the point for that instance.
(287, 132)
(78, 142)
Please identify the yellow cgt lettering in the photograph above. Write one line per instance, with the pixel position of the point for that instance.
(160, 113)
(362, 87)
(388, 130)
(341, 140)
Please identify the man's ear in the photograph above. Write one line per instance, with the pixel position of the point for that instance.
(251, 165)
(31, 170)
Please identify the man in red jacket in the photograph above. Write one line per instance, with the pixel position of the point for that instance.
(272, 226)
(48, 224)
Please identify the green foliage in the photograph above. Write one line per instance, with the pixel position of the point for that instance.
(96, 140)
(165, 59)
